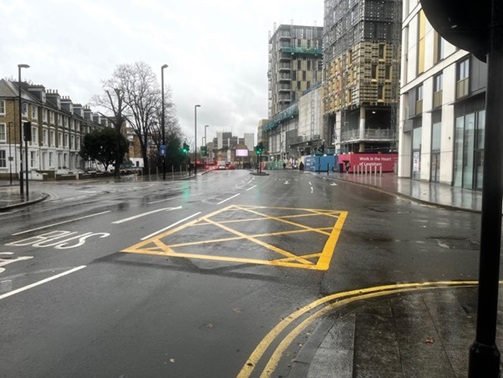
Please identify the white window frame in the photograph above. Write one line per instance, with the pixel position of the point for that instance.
(4, 127)
(3, 159)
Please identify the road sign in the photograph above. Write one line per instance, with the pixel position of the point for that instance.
(162, 150)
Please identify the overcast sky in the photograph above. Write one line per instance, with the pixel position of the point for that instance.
(216, 50)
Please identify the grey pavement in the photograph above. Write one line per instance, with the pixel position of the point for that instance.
(418, 332)
(413, 331)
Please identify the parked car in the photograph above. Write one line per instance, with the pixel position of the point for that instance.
(129, 169)
(222, 167)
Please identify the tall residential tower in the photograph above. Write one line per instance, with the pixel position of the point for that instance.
(361, 42)
(295, 64)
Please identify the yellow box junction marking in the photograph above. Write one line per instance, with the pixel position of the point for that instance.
(254, 235)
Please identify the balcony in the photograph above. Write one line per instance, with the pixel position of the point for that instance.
(462, 88)
(310, 51)
(419, 107)
(369, 135)
(437, 99)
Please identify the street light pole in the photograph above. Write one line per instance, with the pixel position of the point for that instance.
(206, 145)
(162, 124)
(21, 184)
(10, 153)
(195, 138)
(26, 158)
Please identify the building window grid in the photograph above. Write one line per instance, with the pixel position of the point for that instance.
(2, 107)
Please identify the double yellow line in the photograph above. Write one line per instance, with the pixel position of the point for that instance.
(326, 305)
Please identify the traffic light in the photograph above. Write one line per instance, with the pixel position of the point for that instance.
(464, 25)
(27, 131)
(185, 148)
(259, 148)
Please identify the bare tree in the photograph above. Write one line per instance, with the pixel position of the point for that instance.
(113, 100)
(142, 96)
(171, 126)
(134, 96)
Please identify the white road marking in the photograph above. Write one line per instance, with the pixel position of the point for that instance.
(145, 214)
(312, 189)
(333, 184)
(171, 198)
(59, 223)
(170, 226)
(225, 200)
(4, 262)
(254, 186)
(21, 289)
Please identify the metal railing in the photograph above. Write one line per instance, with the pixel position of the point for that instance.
(369, 134)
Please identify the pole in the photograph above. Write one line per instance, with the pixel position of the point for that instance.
(195, 138)
(26, 159)
(484, 358)
(206, 144)
(20, 121)
(203, 144)
(10, 153)
(162, 124)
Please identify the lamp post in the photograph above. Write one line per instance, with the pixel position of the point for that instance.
(195, 138)
(10, 153)
(21, 184)
(26, 157)
(206, 144)
(162, 124)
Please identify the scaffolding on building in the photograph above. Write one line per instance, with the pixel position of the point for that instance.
(361, 57)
